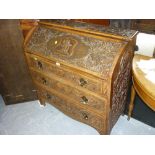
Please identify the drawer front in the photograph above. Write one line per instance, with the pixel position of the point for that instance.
(74, 111)
(94, 85)
(79, 96)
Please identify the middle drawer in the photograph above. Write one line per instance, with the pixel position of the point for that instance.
(72, 92)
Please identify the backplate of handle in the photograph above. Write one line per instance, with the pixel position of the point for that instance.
(44, 81)
(82, 82)
(84, 100)
(48, 96)
(85, 116)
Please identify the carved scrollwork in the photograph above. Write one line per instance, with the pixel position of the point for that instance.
(86, 52)
(120, 87)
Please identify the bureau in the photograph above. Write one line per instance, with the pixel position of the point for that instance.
(81, 69)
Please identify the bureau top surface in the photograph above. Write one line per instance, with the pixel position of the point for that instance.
(86, 52)
(124, 33)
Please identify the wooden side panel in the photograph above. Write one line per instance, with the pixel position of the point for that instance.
(120, 83)
(15, 81)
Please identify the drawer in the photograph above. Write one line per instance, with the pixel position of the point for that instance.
(79, 113)
(80, 96)
(93, 84)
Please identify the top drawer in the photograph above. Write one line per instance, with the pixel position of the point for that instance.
(91, 83)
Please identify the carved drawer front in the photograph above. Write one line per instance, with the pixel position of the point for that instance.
(73, 110)
(81, 97)
(93, 84)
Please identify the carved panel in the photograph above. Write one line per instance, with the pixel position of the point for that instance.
(67, 46)
(89, 53)
(120, 86)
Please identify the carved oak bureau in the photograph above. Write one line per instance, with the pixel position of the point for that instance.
(81, 69)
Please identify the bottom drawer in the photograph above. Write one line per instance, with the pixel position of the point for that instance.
(74, 111)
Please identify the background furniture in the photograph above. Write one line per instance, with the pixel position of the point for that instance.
(103, 22)
(141, 85)
(143, 25)
(120, 23)
(15, 81)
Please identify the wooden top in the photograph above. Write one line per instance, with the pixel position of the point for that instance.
(139, 77)
(123, 34)
(96, 54)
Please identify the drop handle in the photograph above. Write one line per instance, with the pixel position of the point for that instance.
(40, 66)
(85, 116)
(48, 96)
(83, 82)
(84, 100)
(44, 81)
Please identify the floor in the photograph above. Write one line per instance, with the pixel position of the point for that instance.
(30, 118)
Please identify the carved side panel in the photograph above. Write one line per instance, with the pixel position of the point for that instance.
(120, 86)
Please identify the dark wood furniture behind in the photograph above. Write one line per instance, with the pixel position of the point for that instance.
(15, 81)
(143, 25)
(103, 22)
(82, 69)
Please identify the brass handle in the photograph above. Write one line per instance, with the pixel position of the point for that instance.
(84, 100)
(39, 65)
(83, 82)
(48, 96)
(44, 81)
(85, 116)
